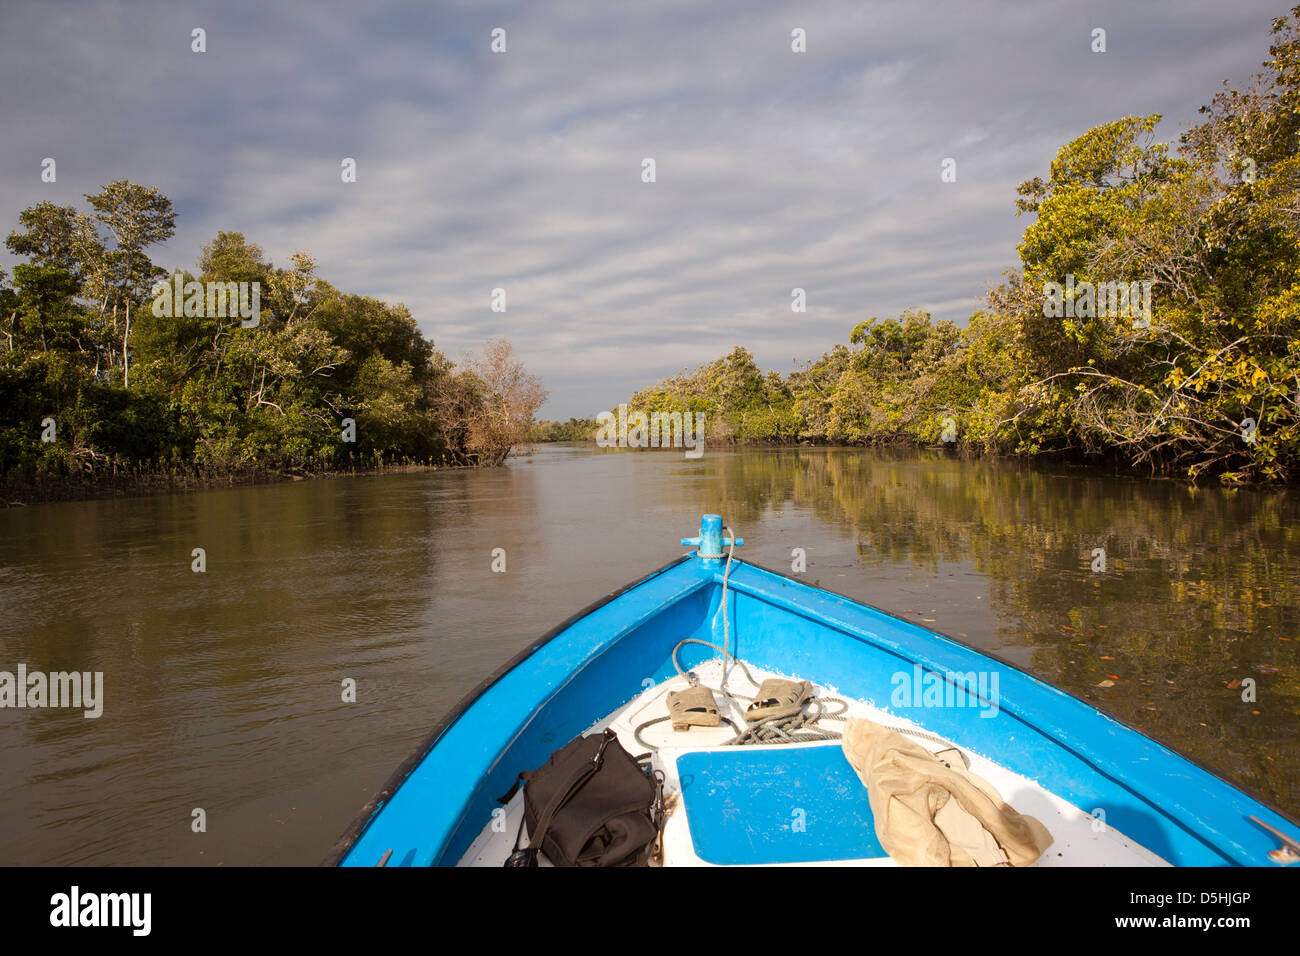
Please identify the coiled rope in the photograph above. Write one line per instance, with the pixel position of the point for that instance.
(792, 729)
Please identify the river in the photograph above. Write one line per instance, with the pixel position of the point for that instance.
(225, 738)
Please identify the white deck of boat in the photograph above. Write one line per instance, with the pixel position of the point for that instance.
(1077, 842)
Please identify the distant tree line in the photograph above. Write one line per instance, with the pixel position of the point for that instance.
(94, 383)
(1204, 382)
(575, 429)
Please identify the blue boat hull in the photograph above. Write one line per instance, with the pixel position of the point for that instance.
(441, 798)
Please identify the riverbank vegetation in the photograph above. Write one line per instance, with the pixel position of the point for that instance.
(1206, 382)
(575, 429)
(97, 390)
(1201, 379)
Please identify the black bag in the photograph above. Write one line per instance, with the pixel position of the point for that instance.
(590, 804)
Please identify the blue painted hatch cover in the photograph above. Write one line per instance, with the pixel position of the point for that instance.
(746, 806)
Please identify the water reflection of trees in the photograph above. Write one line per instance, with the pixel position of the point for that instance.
(1197, 593)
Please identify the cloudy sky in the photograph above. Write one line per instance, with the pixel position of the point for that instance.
(523, 170)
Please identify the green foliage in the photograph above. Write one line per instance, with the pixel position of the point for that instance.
(903, 379)
(128, 389)
(1206, 383)
(738, 400)
(1210, 387)
(575, 429)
